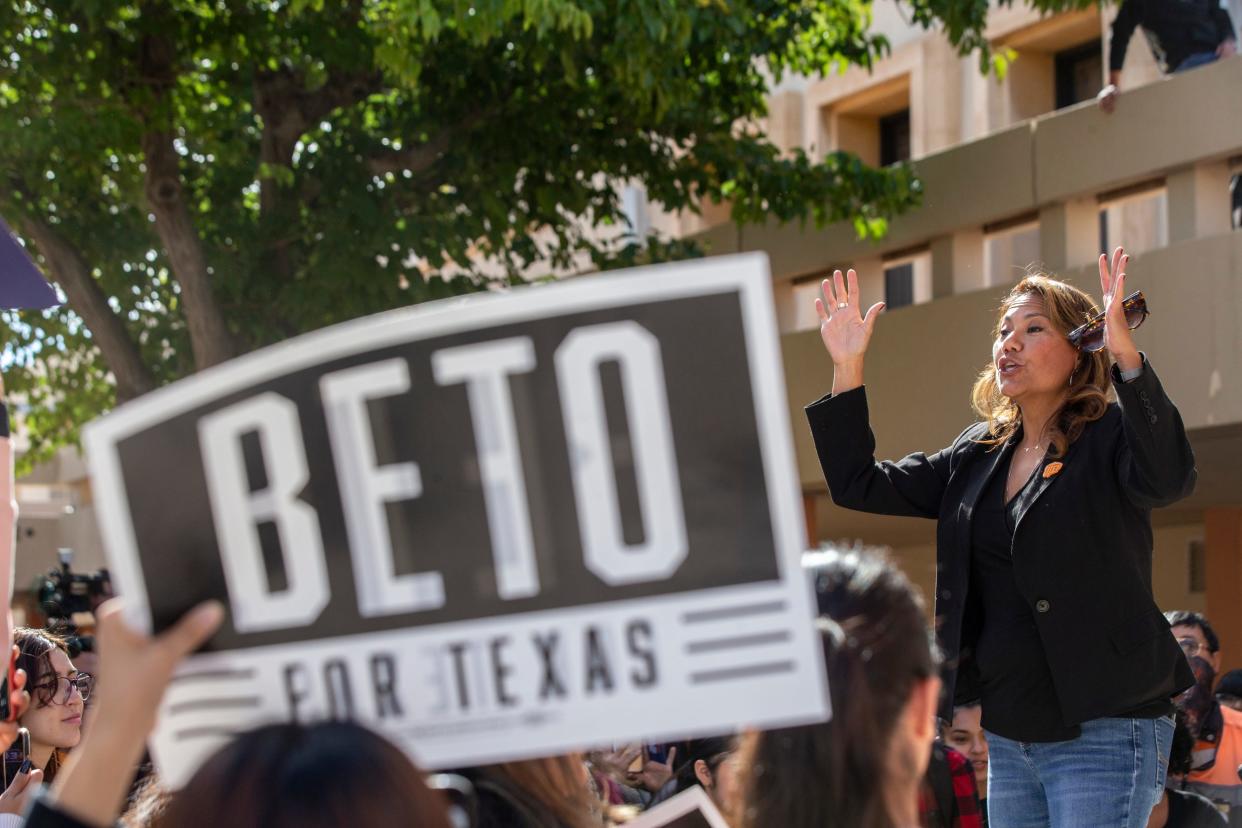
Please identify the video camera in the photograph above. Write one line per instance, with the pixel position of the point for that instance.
(66, 597)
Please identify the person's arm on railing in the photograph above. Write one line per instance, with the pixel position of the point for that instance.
(1124, 24)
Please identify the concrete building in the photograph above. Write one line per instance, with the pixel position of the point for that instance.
(1018, 172)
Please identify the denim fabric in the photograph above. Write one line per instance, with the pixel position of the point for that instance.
(1109, 777)
(1195, 61)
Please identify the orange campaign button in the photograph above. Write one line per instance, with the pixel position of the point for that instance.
(1053, 469)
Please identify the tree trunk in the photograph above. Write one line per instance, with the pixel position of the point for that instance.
(88, 300)
(210, 338)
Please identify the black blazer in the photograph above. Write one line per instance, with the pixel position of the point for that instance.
(1082, 544)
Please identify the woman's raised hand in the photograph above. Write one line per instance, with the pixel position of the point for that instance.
(1117, 336)
(844, 329)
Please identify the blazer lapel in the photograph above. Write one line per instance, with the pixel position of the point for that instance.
(983, 474)
(1030, 494)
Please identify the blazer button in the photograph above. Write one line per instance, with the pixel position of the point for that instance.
(1154, 419)
(1042, 606)
(1143, 396)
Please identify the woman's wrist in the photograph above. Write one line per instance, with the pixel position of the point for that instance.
(846, 376)
(1128, 360)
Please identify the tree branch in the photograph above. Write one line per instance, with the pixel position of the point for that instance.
(71, 272)
(423, 157)
(288, 109)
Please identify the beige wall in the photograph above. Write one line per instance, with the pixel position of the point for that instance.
(1170, 572)
(38, 540)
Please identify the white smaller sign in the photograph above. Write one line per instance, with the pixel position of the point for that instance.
(691, 808)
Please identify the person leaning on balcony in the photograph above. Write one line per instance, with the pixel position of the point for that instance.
(1183, 34)
(1043, 545)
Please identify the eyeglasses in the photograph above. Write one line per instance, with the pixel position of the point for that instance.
(1190, 646)
(1089, 337)
(59, 690)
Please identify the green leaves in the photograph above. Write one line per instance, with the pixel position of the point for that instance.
(341, 158)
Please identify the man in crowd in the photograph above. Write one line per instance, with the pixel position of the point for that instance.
(1229, 689)
(1183, 34)
(1217, 729)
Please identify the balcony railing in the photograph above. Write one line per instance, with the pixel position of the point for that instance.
(1162, 129)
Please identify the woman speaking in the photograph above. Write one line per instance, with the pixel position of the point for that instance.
(1044, 606)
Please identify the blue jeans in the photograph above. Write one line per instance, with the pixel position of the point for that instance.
(1109, 777)
(1195, 61)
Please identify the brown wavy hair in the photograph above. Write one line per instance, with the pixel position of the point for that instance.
(553, 792)
(1086, 397)
(877, 646)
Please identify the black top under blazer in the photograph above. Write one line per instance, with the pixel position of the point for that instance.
(1082, 544)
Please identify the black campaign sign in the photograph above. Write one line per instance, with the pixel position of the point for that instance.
(444, 470)
(599, 444)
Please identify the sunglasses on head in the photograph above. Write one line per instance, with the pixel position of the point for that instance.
(1089, 337)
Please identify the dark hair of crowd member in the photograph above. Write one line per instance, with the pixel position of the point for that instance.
(877, 647)
(712, 751)
(1182, 748)
(302, 776)
(36, 659)
(540, 793)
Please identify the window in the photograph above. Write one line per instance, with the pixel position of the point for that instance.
(1197, 566)
(873, 123)
(1139, 219)
(907, 279)
(895, 138)
(797, 312)
(899, 285)
(1009, 250)
(1079, 73)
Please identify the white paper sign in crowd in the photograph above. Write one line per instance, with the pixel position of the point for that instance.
(495, 528)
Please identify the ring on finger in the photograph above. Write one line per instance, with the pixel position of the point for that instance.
(842, 305)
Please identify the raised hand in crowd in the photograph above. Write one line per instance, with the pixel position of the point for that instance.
(655, 775)
(845, 330)
(135, 670)
(617, 763)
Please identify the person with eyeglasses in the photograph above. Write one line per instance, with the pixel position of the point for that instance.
(1216, 728)
(1044, 604)
(58, 694)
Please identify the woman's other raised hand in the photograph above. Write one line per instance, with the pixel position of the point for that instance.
(846, 332)
(1117, 336)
